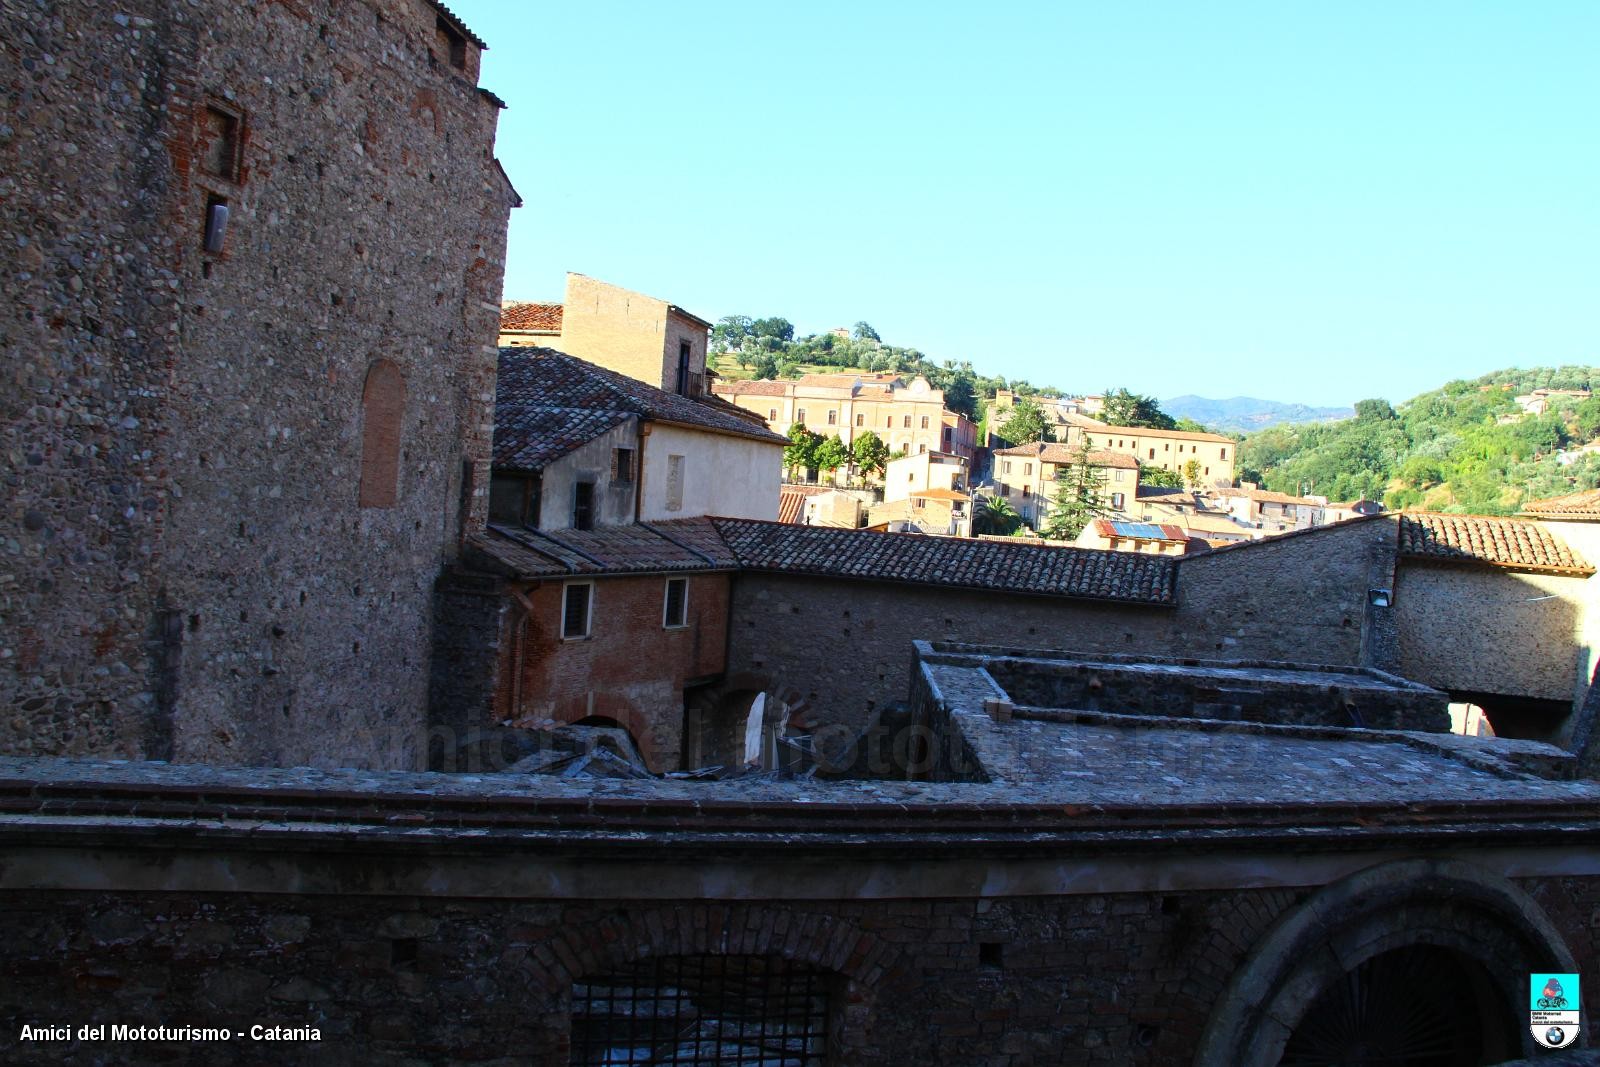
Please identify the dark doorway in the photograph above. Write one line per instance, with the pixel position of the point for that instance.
(1419, 1006)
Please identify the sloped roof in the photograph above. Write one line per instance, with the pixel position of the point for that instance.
(1581, 507)
(757, 387)
(1065, 455)
(953, 562)
(1143, 531)
(455, 20)
(640, 548)
(548, 403)
(1515, 544)
(939, 494)
(1267, 496)
(791, 504)
(523, 315)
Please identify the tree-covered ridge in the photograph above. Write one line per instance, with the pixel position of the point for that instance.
(1465, 447)
(768, 348)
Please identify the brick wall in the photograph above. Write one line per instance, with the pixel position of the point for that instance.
(845, 645)
(631, 668)
(188, 573)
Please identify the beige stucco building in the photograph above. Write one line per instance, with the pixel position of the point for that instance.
(641, 336)
(1027, 476)
(926, 470)
(910, 417)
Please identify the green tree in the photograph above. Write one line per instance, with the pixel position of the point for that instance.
(801, 452)
(831, 454)
(1079, 497)
(1130, 409)
(764, 365)
(1374, 410)
(871, 454)
(864, 332)
(1160, 476)
(1191, 473)
(730, 332)
(779, 329)
(1025, 423)
(995, 516)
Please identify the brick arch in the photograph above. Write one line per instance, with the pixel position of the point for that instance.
(827, 942)
(383, 410)
(1441, 903)
(722, 708)
(626, 716)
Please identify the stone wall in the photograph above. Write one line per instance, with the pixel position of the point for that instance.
(1122, 978)
(188, 573)
(1488, 630)
(845, 644)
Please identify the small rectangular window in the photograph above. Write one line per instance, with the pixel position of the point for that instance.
(924, 422)
(683, 368)
(1116, 501)
(219, 151)
(833, 417)
(583, 506)
(675, 611)
(800, 416)
(861, 420)
(772, 414)
(1008, 466)
(216, 224)
(1224, 454)
(514, 500)
(1027, 468)
(622, 466)
(577, 599)
(1152, 453)
(907, 422)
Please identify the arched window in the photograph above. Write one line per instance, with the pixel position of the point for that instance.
(383, 410)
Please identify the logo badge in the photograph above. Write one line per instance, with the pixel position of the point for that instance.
(1553, 1009)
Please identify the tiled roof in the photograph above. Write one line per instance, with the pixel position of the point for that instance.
(756, 387)
(642, 548)
(522, 315)
(1583, 506)
(1267, 496)
(1064, 455)
(455, 20)
(1516, 544)
(957, 562)
(939, 494)
(548, 403)
(791, 504)
(1143, 531)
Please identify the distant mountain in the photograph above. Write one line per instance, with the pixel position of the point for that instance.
(1246, 413)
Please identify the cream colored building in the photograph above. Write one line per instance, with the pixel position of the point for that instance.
(1028, 476)
(641, 336)
(1269, 511)
(910, 417)
(1069, 420)
(926, 470)
(1121, 535)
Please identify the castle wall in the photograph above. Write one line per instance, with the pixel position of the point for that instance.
(189, 573)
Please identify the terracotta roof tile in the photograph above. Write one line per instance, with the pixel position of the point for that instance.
(1582, 506)
(791, 504)
(1267, 496)
(641, 548)
(548, 403)
(954, 562)
(756, 387)
(1516, 544)
(523, 315)
(1064, 455)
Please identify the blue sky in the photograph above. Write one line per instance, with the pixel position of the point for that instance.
(1315, 203)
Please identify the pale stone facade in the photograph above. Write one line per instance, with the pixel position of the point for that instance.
(910, 417)
(1028, 477)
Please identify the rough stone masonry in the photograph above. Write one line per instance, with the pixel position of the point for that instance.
(253, 263)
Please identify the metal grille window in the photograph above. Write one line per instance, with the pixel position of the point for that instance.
(702, 1011)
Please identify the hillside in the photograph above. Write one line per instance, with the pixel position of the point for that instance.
(1464, 447)
(1242, 414)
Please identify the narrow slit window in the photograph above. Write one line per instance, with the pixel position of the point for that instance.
(675, 611)
(577, 600)
(216, 224)
(583, 506)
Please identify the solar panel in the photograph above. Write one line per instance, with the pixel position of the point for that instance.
(1147, 530)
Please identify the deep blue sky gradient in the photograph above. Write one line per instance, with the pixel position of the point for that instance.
(1313, 203)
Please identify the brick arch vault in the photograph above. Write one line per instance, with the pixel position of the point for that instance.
(1440, 903)
(861, 960)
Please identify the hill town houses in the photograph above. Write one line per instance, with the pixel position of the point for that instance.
(427, 679)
